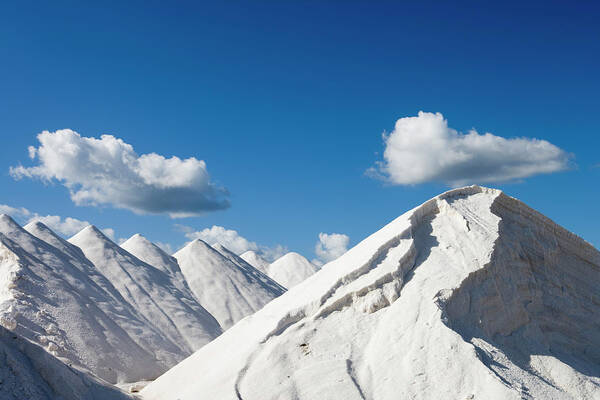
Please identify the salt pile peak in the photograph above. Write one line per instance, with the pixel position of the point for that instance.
(291, 269)
(229, 291)
(153, 255)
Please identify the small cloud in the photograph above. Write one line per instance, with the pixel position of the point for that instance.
(232, 240)
(14, 212)
(330, 247)
(424, 149)
(109, 171)
(32, 151)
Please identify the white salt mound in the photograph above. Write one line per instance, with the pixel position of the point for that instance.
(472, 295)
(59, 301)
(291, 269)
(228, 290)
(153, 255)
(174, 323)
(27, 371)
(123, 324)
(288, 270)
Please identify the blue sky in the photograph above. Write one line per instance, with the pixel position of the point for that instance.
(286, 102)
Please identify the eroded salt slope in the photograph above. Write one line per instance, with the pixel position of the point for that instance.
(471, 295)
(28, 371)
(291, 269)
(59, 301)
(229, 291)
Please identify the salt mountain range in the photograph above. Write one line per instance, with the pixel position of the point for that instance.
(471, 295)
(119, 313)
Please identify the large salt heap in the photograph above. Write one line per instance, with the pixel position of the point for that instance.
(472, 295)
(228, 290)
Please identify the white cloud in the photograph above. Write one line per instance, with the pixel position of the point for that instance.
(63, 226)
(424, 149)
(14, 212)
(330, 246)
(108, 171)
(232, 240)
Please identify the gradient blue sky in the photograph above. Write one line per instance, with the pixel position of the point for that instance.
(286, 102)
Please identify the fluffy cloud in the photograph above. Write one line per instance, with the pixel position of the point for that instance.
(14, 212)
(232, 240)
(63, 226)
(330, 246)
(108, 171)
(424, 149)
